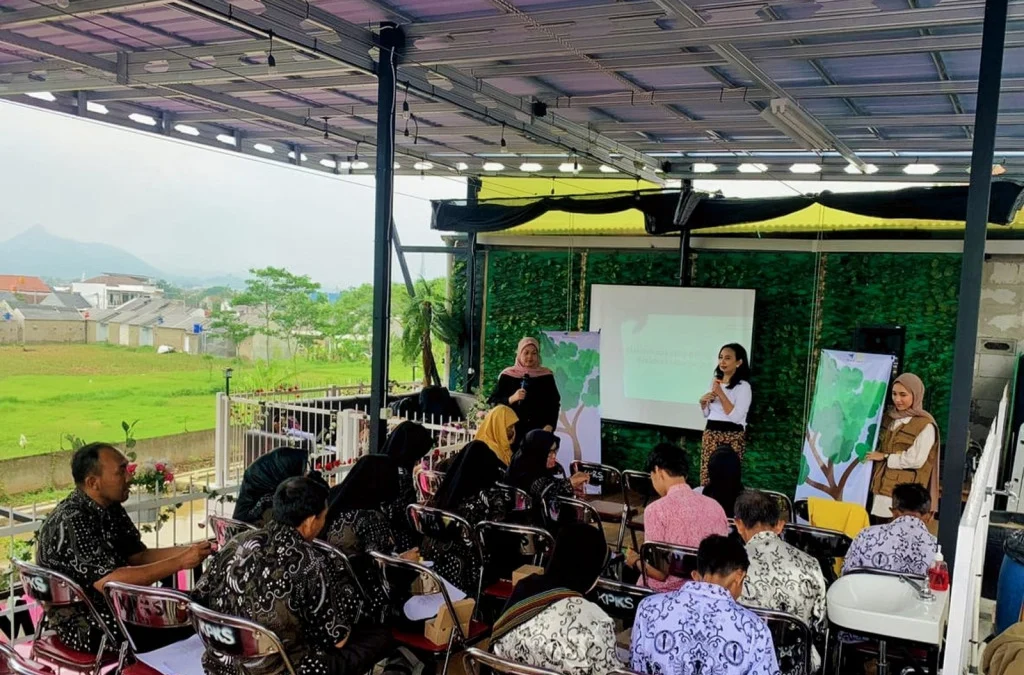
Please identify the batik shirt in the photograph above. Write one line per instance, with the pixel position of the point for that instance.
(397, 513)
(277, 579)
(573, 636)
(700, 630)
(785, 579)
(458, 562)
(86, 542)
(904, 546)
(355, 533)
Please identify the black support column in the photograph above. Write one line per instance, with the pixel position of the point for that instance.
(992, 42)
(392, 43)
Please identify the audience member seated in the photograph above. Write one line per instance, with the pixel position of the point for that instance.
(278, 579)
(530, 390)
(903, 545)
(259, 482)
(780, 577)
(498, 432)
(680, 516)
(468, 490)
(533, 471)
(91, 539)
(406, 446)
(547, 623)
(700, 628)
(725, 478)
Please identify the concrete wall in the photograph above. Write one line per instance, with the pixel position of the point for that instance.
(1000, 336)
(172, 337)
(10, 332)
(54, 331)
(26, 474)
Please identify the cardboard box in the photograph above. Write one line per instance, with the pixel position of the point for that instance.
(439, 629)
(525, 571)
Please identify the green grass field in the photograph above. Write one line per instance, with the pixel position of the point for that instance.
(48, 391)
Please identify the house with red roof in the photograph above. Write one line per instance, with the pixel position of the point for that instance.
(30, 290)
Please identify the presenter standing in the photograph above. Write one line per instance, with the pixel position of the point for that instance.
(529, 389)
(726, 406)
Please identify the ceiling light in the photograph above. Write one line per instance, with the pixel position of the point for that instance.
(186, 129)
(302, 156)
(139, 118)
(423, 166)
(263, 147)
(227, 139)
(329, 163)
(789, 118)
(493, 166)
(752, 168)
(97, 108)
(604, 168)
(805, 168)
(569, 167)
(440, 81)
(344, 165)
(920, 169)
(397, 166)
(359, 166)
(461, 166)
(42, 96)
(704, 167)
(530, 167)
(854, 170)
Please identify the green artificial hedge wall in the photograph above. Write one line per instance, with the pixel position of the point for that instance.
(805, 302)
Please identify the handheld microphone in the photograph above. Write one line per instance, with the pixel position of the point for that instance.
(525, 382)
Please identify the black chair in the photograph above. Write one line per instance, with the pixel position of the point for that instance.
(158, 611)
(618, 600)
(801, 511)
(559, 510)
(823, 545)
(504, 548)
(225, 529)
(610, 480)
(521, 502)
(426, 484)
(478, 662)
(52, 589)
(793, 641)
(244, 643)
(446, 527)
(638, 493)
(669, 559)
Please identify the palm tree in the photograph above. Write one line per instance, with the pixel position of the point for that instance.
(427, 316)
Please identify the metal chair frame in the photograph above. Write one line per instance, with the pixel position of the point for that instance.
(789, 620)
(345, 563)
(521, 501)
(473, 657)
(595, 468)
(14, 663)
(264, 641)
(221, 526)
(539, 557)
(432, 477)
(783, 498)
(650, 548)
(629, 478)
(116, 593)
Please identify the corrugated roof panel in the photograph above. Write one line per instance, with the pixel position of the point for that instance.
(889, 68)
(897, 105)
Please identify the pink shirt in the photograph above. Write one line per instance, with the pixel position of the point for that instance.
(684, 518)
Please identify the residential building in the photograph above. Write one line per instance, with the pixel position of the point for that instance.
(24, 324)
(66, 299)
(29, 290)
(109, 290)
(151, 322)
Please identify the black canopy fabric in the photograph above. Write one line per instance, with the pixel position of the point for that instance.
(676, 210)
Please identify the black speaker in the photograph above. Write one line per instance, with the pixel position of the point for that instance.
(881, 340)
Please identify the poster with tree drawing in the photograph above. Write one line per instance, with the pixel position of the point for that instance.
(574, 358)
(849, 397)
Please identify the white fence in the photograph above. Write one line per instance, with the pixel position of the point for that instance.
(963, 639)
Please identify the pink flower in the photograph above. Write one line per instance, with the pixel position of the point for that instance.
(160, 467)
(131, 468)
(168, 477)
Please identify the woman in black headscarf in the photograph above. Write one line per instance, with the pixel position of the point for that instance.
(469, 490)
(725, 478)
(256, 495)
(533, 471)
(547, 622)
(406, 446)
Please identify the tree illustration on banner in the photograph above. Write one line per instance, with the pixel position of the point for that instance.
(574, 358)
(849, 395)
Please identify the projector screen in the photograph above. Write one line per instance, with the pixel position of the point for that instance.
(659, 348)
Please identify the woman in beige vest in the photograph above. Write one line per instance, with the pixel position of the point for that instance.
(908, 449)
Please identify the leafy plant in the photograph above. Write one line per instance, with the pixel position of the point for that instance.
(129, 438)
(231, 326)
(427, 316)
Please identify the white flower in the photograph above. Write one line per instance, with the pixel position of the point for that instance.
(22, 442)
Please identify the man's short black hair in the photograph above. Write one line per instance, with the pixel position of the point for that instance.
(754, 508)
(298, 498)
(721, 556)
(911, 498)
(86, 461)
(669, 458)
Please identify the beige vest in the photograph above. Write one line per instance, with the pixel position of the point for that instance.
(885, 479)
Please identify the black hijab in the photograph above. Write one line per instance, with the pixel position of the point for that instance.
(372, 481)
(475, 469)
(531, 461)
(408, 444)
(262, 478)
(725, 479)
(579, 557)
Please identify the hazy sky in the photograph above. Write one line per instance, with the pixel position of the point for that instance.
(192, 210)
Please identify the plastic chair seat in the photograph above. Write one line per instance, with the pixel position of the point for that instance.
(139, 668)
(499, 589)
(419, 641)
(49, 648)
(610, 511)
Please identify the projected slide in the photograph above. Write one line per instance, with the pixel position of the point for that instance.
(659, 347)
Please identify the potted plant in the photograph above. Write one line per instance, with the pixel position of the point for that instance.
(154, 477)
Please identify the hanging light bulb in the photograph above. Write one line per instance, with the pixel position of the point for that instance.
(405, 104)
(504, 145)
(357, 151)
(271, 61)
(326, 135)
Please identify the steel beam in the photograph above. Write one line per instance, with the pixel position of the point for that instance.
(969, 299)
(81, 9)
(392, 44)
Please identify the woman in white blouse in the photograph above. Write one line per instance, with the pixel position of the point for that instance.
(908, 447)
(547, 623)
(726, 406)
